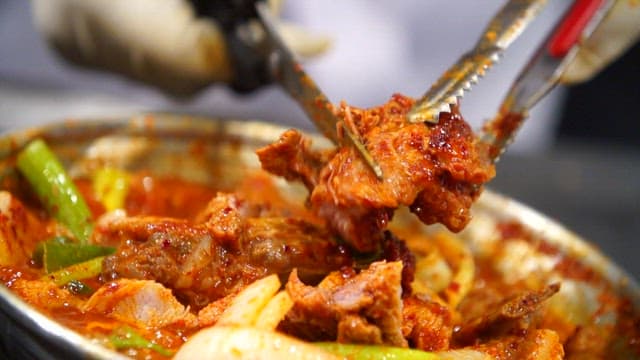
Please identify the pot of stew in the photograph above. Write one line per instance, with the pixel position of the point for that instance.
(161, 236)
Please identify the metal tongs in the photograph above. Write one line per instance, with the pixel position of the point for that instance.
(539, 76)
(262, 57)
(288, 72)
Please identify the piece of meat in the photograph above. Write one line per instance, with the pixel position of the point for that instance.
(510, 317)
(224, 252)
(436, 170)
(142, 303)
(349, 307)
(394, 249)
(293, 158)
(427, 325)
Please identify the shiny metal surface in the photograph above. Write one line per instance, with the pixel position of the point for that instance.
(495, 207)
(539, 76)
(501, 31)
(206, 150)
(289, 74)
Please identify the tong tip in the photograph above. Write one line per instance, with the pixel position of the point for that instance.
(430, 113)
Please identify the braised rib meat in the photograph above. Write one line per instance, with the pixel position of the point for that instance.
(366, 308)
(349, 307)
(227, 250)
(426, 324)
(436, 170)
(512, 316)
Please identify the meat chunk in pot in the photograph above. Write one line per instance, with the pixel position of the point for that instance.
(368, 308)
(427, 324)
(349, 307)
(436, 170)
(227, 250)
(512, 316)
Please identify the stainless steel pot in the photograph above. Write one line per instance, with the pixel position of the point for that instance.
(206, 150)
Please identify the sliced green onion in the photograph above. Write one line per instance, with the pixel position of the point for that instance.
(111, 187)
(57, 256)
(126, 338)
(375, 352)
(83, 270)
(38, 252)
(55, 188)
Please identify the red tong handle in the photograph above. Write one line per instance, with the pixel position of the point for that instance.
(568, 32)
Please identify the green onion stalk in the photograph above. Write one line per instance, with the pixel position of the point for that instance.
(126, 337)
(84, 270)
(375, 352)
(55, 256)
(55, 189)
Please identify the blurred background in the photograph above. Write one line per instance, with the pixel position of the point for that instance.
(577, 159)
